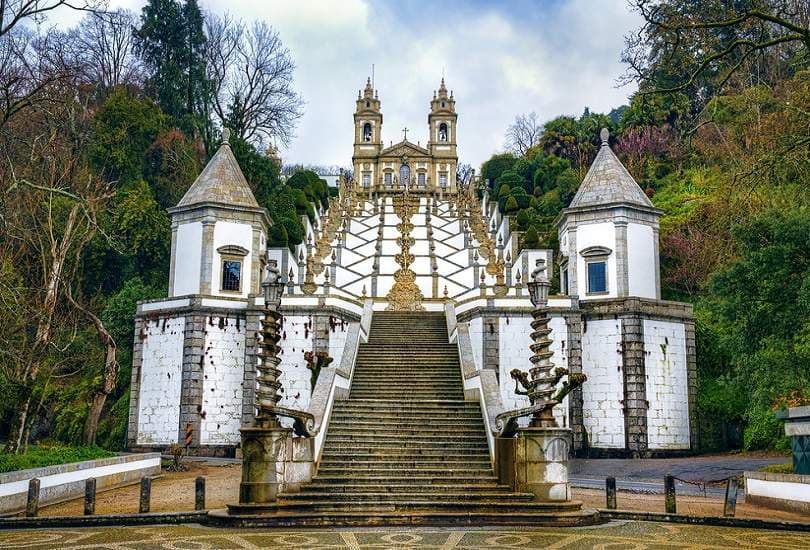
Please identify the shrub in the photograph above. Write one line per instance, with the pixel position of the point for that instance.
(43, 455)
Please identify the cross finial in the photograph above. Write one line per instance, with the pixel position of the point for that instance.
(405, 130)
(604, 134)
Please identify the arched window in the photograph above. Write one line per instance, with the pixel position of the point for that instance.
(443, 131)
(367, 131)
(404, 175)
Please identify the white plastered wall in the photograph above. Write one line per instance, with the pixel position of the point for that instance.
(187, 258)
(667, 389)
(297, 338)
(596, 234)
(223, 376)
(161, 381)
(641, 260)
(514, 339)
(603, 393)
(232, 233)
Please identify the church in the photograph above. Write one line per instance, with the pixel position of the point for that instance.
(407, 304)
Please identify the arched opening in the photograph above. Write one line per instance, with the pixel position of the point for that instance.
(443, 131)
(404, 175)
(367, 131)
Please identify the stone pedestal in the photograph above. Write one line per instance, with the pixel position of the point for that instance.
(797, 427)
(273, 461)
(263, 453)
(536, 461)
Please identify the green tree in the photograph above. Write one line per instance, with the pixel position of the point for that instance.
(492, 169)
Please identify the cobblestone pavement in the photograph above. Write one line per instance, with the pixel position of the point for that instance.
(693, 468)
(631, 535)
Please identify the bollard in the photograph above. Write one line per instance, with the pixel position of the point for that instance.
(199, 493)
(730, 505)
(669, 495)
(610, 493)
(32, 504)
(90, 497)
(146, 495)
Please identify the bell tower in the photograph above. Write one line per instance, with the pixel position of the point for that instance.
(367, 135)
(442, 122)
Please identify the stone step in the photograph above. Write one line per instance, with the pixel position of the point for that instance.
(300, 515)
(406, 456)
(398, 423)
(428, 468)
(414, 447)
(406, 437)
(436, 406)
(415, 474)
(391, 431)
(445, 486)
(394, 393)
(409, 498)
(420, 419)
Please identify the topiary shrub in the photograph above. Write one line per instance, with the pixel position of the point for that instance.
(530, 238)
(523, 219)
(511, 206)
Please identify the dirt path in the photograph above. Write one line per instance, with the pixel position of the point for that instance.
(174, 491)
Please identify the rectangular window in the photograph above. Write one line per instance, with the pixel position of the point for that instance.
(597, 277)
(564, 281)
(231, 275)
(443, 180)
(366, 179)
(421, 179)
(388, 179)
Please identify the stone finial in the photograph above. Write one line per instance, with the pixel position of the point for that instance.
(226, 136)
(604, 134)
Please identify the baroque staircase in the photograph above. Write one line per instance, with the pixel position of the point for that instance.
(405, 448)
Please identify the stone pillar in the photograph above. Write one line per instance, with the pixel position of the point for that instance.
(573, 324)
(536, 462)
(135, 383)
(622, 261)
(192, 384)
(635, 385)
(657, 256)
(253, 324)
(573, 263)
(173, 257)
(691, 382)
(207, 256)
(490, 342)
(320, 330)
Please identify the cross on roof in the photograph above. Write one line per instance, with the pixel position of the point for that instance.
(406, 133)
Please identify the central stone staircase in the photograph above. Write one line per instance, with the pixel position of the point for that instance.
(406, 448)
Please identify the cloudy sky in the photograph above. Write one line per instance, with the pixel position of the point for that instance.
(501, 58)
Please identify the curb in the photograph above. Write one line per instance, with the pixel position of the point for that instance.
(42, 522)
(717, 521)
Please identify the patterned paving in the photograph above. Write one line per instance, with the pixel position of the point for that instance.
(618, 535)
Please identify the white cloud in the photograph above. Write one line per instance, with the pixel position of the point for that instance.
(501, 60)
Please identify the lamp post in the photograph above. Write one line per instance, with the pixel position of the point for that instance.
(542, 385)
(264, 440)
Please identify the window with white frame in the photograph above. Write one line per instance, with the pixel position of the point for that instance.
(366, 179)
(232, 257)
(443, 180)
(596, 270)
(421, 179)
(389, 179)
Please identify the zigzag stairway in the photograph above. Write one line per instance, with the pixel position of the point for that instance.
(405, 448)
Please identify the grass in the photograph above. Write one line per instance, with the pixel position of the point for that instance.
(786, 468)
(49, 455)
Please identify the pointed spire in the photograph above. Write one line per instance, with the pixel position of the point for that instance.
(221, 181)
(608, 181)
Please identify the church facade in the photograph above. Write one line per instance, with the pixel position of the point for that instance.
(405, 234)
(431, 168)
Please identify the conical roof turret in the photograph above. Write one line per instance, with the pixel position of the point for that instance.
(608, 182)
(220, 182)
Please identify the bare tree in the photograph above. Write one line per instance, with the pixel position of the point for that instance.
(103, 48)
(464, 173)
(14, 12)
(251, 74)
(523, 134)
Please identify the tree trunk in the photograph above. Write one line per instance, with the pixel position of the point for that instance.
(93, 417)
(109, 377)
(15, 441)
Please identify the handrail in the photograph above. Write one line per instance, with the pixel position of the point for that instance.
(339, 377)
(483, 382)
